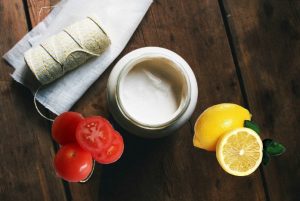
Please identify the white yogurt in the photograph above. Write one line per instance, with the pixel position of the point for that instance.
(152, 90)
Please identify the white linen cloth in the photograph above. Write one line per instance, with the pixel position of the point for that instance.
(119, 19)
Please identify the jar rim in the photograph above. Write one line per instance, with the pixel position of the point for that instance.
(184, 102)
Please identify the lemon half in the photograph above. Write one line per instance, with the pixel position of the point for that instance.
(240, 151)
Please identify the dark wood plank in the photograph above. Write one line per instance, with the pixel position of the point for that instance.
(11, 13)
(170, 168)
(26, 149)
(266, 37)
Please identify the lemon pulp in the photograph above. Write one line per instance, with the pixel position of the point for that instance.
(239, 151)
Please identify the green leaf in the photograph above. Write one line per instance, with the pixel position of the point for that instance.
(273, 148)
(252, 125)
(266, 158)
(267, 142)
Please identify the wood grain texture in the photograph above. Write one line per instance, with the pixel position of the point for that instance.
(26, 149)
(266, 37)
(170, 168)
(39, 9)
(12, 16)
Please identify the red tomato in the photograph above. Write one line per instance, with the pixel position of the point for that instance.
(64, 127)
(72, 163)
(113, 152)
(94, 134)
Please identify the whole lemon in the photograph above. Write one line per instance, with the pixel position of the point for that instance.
(217, 120)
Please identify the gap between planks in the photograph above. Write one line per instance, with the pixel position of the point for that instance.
(27, 14)
(29, 27)
(238, 71)
(225, 16)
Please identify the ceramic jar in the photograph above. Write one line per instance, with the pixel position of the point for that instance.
(172, 66)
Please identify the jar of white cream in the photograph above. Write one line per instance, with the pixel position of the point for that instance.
(152, 92)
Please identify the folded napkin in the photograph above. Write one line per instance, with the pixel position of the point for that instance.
(119, 19)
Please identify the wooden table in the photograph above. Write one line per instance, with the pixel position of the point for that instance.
(241, 51)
